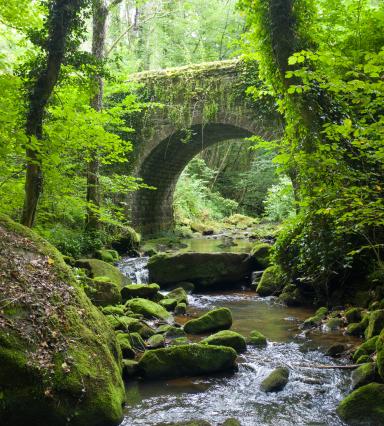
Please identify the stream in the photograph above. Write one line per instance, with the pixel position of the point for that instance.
(310, 397)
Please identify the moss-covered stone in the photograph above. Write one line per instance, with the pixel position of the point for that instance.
(122, 323)
(144, 330)
(144, 291)
(186, 285)
(336, 350)
(272, 282)
(103, 292)
(366, 348)
(316, 319)
(186, 360)
(366, 373)
(217, 319)
(231, 422)
(180, 341)
(148, 308)
(181, 309)
(353, 315)
(276, 381)
(364, 406)
(109, 256)
(170, 331)
(334, 324)
(128, 240)
(136, 342)
(168, 304)
(261, 252)
(156, 341)
(363, 359)
(291, 296)
(355, 329)
(376, 324)
(179, 294)
(125, 345)
(227, 338)
(204, 270)
(118, 310)
(257, 339)
(74, 360)
(98, 268)
(380, 354)
(130, 368)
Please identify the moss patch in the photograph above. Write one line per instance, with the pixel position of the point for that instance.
(217, 319)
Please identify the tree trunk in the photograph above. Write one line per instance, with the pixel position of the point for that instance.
(100, 14)
(60, 21)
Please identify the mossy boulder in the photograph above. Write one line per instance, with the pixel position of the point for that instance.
(102, 291)
(227, 338)
(136, 342)
(98, 268)
(156, 341)
(316, 319)
(170, 331)
(375, 324)
(257, 339)
(118, 310)
(130, 368)
(168, 304)
(128, 241)
(217, 319)
(148, 308)
(291, 296)
(366, 373)
(276, 381)
(353, 315)
(380, 354)
(334, 324)
(261, 252)
(106, 255)
(144, 291)
(204, 270)
(125, 345)
(336, 350)
(74, 360)
(179, 294)
(272, 282)
(355, 329)
(186, 360)
(366, 348)
(181, 309)
(122, 323)
(364, 406)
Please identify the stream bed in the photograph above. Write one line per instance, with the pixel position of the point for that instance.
(310, 397)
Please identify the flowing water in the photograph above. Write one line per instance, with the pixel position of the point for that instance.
(310, 397)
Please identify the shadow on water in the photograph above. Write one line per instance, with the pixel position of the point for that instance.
(310, 398)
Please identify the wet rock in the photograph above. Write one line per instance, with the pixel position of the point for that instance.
(144, 291)
(364, 406)
(316, 319)
(217, 319)
(227, 338)
(257, 339)
(334, 324)
(336, 350)
(276, 381)
(171, 332)
(148, 308)
(130, 368)
(291, 296)
(376, 323)
(186, 360)
(355, 329)
(204, 270)
(256, 277)
(353, 315)
(156, 341)
(366, 348)
(272, 282)
(366, 373)
(106, 255)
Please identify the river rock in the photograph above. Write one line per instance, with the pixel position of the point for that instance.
(316, 319)
(106, 255)
(380, 354)
(72, 369)
(118, 310)
(375, 324)
(125, 345)
(257, 339)
(227, 338)
(272, 282)
(168, 304)
(261, 253)
(366, 373)
(144, 291)
(336, 350)
(217, 319)
(97, 268)
(180, 309)
(364, 406)
(353, 315)
(204, 270)
(366, 348)
(179, 294)
(186, 360)
(148, 308)
(156, 341)
(276, 381)
(102, 291)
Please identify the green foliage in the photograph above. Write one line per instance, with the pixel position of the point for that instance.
(280, 202)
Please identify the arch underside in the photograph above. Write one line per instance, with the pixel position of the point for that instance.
(152, 210)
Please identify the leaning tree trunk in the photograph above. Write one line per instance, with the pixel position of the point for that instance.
(100, 14)
(60, 21)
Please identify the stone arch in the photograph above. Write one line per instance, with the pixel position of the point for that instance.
(152, 210)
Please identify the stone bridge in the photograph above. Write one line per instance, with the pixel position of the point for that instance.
(193, 108)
